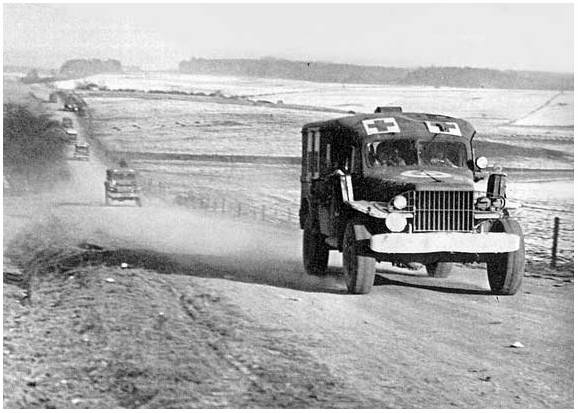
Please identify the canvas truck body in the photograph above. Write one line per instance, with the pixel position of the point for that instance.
(81, 152)
(399, 187)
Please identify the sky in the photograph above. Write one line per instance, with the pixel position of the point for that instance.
(156, 37)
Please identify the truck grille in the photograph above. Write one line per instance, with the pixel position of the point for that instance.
(443, 211)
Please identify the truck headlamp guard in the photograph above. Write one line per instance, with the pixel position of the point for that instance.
(483, 203)
(498, 203)
(396, 222)
(399, 202)
(482, 162)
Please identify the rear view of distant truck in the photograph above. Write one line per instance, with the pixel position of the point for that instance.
(121, 186)
(81, 152)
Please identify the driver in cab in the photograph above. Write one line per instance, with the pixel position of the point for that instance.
(390, 156)
(438, 157)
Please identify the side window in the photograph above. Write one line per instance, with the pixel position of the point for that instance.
(313, 162)
(307, 150)
(352, 160)
(316, 153)
(326, 158)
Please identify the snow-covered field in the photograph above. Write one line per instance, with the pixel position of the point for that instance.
(173, 126)
(490, 108)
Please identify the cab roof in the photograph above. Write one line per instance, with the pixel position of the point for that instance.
(121, 171)
(403, 125)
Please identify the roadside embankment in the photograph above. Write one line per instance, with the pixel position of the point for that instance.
(96, 333)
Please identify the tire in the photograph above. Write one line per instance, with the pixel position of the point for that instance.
(358, 270)
(439, 269)
(506, 271)
(315, 250)
(138, 202)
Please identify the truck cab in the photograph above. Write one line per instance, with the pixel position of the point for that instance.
(399, 187)
(67, 123)
(71, 135)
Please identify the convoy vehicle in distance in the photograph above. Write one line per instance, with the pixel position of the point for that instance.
(73, 103)
(121, 185)
(71, 107)
(67, 123)
(71, 135)
(399, 187)
(81, 152)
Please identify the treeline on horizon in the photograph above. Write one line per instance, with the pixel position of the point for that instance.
(73, 68)
(86, 67)
(465, 77)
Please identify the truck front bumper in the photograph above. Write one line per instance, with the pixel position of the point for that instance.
(122, 196)
(452, 242)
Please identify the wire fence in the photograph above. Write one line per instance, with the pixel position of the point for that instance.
(552, 247)
(217, 203)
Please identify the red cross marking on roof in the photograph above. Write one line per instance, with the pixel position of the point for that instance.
(380, 125)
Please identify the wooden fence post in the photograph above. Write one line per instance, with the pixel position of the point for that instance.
(555, 242)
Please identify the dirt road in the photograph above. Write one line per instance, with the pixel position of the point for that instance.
(414, 342)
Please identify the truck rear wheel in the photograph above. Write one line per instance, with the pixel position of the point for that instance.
(359, 270)
(315, 250)
(439, 269)
(506, 271)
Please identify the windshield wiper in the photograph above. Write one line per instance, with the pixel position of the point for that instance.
(431, 176)
(432, 139)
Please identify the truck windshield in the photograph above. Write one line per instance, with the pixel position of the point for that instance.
(392, 152)
(128, 177)
(443, 153)
(407, 152)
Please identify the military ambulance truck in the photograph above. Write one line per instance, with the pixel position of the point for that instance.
(399, 187)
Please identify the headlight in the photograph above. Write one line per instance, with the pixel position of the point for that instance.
(483, 203)
(399, 202)
(482, 162)
(498, 203)
(395, 222)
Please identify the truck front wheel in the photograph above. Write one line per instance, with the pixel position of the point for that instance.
(506, 271)
(315, 250)
(359, 270)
